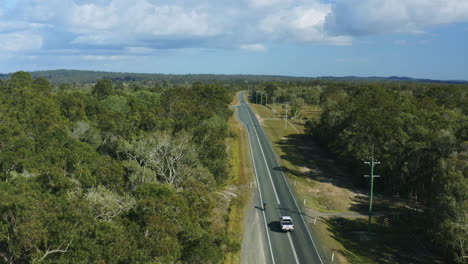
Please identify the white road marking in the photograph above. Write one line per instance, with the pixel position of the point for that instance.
(274, 189)
(264, 158)
(294, 199)
(258, 188)
(294, 250)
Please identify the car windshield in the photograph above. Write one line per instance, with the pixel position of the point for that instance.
(286, 222)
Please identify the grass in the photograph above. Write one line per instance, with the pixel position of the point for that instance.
(294, 162)
(241, 176)
(263, 112)
(310, 111)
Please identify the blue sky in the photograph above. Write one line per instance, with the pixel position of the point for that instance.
(415, 38)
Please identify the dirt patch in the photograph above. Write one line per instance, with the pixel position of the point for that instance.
(341, 259)
(304, 169)
(328, 197)
(229, 193)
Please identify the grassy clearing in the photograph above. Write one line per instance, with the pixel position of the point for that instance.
(240, 178)
(322, 197)
(310, 111)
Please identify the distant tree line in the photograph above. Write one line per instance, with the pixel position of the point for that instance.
(83, 76)
(113, 174)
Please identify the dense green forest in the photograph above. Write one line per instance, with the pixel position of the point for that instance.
(124, 171)
(418, 131)
(113, 174)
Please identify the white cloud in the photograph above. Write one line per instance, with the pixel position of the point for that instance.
(268, 3)
(304, 23)
(142, 26)
(254, 47)
(20, 41)
(369, 17)
(141, 17)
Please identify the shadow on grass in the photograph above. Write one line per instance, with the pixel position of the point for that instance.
(317, 164)
(300, 150)
(390, 241)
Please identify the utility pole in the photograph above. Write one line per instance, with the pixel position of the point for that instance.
(371, 163)
(256, 97)
(261, 98)
(286, 117)
(273, 106)
(266, 101)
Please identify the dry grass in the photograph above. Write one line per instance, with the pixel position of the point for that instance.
(323, 196)
(310, 111)
(262, 111)
(236, 195)
(235, 100)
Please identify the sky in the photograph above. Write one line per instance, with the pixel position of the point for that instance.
(414, 38)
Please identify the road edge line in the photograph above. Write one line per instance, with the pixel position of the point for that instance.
(264, 159)
(258, 184)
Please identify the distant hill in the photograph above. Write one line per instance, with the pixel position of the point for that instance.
(78, 76)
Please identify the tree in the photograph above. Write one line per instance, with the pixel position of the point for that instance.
(449, 213)
(160, 157)
(102, 89)
(42, 85)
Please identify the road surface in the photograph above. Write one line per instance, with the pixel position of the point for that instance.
(277, 247)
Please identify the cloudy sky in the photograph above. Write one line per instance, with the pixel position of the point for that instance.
(416, 38)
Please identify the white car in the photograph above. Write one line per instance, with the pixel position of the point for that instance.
(286, 223)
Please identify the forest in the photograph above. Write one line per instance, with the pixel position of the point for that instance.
(419, 134)
(111, 174)
(418, 131)
(124, 171)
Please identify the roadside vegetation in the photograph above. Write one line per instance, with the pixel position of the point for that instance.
(417, 131)
(238, 191)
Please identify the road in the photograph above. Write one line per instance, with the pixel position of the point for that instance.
(278, 247)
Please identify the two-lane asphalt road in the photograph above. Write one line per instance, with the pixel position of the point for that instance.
(294, 247)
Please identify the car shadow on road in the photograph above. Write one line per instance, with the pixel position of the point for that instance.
(275, 226)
